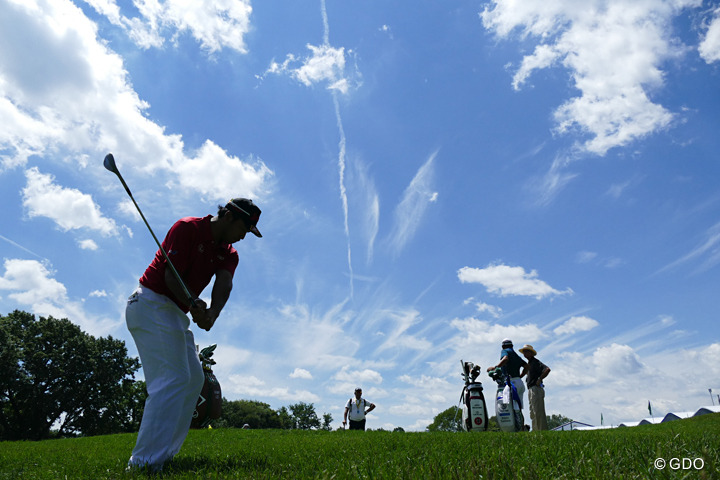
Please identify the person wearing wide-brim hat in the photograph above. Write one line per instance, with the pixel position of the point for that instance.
(536, 371)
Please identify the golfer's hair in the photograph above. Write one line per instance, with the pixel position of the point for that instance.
(222, 211)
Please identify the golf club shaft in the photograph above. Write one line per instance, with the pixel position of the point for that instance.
(110, 165)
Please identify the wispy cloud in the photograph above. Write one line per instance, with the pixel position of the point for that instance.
(15, 244)
(409, 213)
(546, 187)
(707, 253)
(365, 200)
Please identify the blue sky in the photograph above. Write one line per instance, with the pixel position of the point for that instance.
(434, 177)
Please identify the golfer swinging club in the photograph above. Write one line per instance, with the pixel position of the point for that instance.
(199, 248)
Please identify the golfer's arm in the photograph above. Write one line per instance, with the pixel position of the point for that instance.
(176, 289)
(221, 290)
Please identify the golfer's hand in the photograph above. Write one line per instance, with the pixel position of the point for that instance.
(199, 315)
(210, 316)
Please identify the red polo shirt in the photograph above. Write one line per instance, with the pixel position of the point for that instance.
(195, 255)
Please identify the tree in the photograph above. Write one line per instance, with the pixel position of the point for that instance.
(555, 420)
(256, 414)
(286, 419)
(327, 420)
(449, 420)
(304, 416)
(51, 371)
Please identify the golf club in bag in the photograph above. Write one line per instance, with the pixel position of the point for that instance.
(474, 409)
(508, 404)
(209, 404)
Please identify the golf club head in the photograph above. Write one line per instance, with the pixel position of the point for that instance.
(109, 163)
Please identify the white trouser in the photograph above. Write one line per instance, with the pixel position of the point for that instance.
(173, 375)
(520, 386)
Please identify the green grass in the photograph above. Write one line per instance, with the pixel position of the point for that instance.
(238, 454)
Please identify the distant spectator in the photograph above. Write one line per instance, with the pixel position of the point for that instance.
(356, 408)
(536, 371)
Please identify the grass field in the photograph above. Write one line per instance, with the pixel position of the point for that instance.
(620, 453)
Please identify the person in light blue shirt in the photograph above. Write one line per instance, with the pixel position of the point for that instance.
(511, 363)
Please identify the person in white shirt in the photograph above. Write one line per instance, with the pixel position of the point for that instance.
(356, 408)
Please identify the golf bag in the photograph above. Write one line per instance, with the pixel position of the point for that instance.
(508, 404)
(474, 409)
(209, 404)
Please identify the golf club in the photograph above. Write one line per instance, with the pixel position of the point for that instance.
(109, 164)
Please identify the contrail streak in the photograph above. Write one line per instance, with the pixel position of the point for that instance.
(341, 153)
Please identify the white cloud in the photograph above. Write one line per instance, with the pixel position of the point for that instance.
(62, 90)
(613, 51)
(358, 377)
(249, 386)
(482, 334)
(32, 281)
(98, 293)
(576, 324)
(483, 307)
(709, 47)
(413, 205)
(215, 24)
(33, 289)
(219, 177)
(301, 373)
(88, 244)
(325, 65)
(504, 280)
(69, 208)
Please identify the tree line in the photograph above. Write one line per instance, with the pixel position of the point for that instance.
(58, 381)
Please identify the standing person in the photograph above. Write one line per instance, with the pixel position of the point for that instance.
(511, 363)
(199, 248)
(355, 407)
(536, 372)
